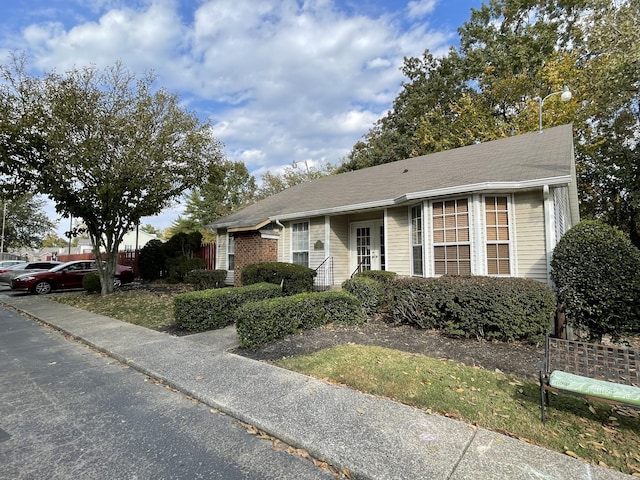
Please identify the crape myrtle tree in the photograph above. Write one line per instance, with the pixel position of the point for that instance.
(106, 147)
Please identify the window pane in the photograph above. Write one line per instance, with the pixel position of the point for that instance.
(417, 261)
(497, 231)
(301, 258)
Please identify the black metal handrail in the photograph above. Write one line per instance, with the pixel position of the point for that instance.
(324, 275)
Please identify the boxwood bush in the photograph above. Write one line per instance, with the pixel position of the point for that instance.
(369, 291)
(489, 308)
(91, 282)
(205, 279)
(383, 276)
(596, 270)
(211, 309)
(293, 278)
(260, 322)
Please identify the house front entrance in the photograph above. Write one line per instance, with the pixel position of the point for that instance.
(367, 246)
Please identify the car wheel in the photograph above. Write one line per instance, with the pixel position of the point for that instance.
(117, 283)
(42, 288)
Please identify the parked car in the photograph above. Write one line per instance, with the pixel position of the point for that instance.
(8, 274)
(66, 276)
(8, 263)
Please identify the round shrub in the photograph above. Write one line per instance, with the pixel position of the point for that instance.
(91, 282)
(596, 271)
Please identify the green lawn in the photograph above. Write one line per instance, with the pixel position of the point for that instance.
(140, 307)
(502, 403)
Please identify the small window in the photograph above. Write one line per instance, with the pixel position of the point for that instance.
(416, 241)
(300, 243)
(497, 226)
(231, 253)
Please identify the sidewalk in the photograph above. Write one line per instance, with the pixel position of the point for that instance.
(373, 438)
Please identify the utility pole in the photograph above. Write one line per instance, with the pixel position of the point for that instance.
(4, 216)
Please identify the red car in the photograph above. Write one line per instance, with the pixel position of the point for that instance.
(65, 276)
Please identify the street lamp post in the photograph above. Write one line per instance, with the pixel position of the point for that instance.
(565, 95)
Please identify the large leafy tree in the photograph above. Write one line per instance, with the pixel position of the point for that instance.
(25, 222)
(272, 183)
(229, 188)
(511, 54)
(106, 147)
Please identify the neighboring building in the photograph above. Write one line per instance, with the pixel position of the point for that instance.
(496, 208)
(135, 240)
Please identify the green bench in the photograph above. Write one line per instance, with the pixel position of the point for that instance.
(607, 373)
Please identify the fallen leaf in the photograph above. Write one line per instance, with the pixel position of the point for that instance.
(360, 411)
(592, 410)
(571, 454)
(53, 363)
(198, 378)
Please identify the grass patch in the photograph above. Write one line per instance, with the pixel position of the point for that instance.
(140, 307)
(595, 432)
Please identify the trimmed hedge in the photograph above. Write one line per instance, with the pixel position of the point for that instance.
(205, 279)
(260, 322)
(489, 308)
(293, 278)
(211, 309)
(382, 276)
(369, 291)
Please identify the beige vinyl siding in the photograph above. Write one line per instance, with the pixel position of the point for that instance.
(398, 247)
(316, 233)
(339, 240)
(366, 216)
(530, 236)
(284, 245)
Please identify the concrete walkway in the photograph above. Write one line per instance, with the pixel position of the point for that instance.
(373, 438)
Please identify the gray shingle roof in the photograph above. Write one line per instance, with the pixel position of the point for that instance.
(522, 161)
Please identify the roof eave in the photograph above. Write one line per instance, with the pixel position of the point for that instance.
(440, 192)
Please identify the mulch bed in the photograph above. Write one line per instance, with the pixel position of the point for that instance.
(514, 358)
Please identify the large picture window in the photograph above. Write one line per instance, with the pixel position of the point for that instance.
(417, 257)
(451, 239)
(231, 253)
(497, 225)
(300, 243)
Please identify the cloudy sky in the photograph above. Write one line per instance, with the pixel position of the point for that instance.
(282, 81)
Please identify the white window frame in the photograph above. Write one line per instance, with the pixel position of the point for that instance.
(471, 225)
(486, 241)
(412, 238)
(231, 252)
(294, 235)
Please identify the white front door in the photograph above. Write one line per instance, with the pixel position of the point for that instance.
(367, 246)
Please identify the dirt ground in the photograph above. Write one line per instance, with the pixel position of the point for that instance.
(515, 358)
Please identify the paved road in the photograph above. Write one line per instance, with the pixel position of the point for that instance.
(68, 412)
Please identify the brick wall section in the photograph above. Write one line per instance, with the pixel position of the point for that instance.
(252, 248)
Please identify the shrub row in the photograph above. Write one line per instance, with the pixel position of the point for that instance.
(293, 278)
(490, 308)
(205, 279)
(260, 322)
(211, 309)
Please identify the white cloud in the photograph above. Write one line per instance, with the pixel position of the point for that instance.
(421, 8)
(281, 81)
